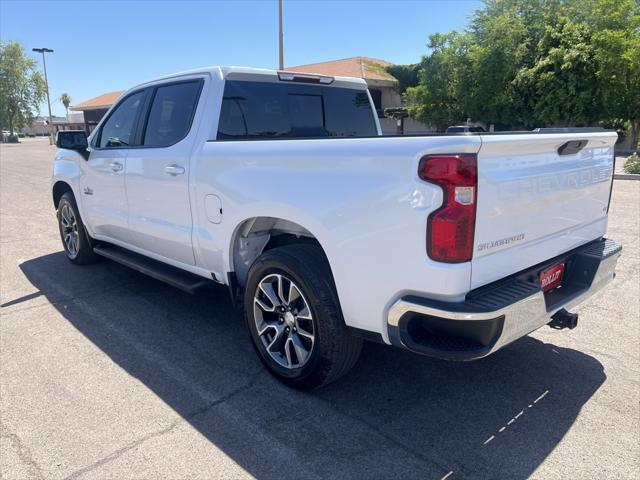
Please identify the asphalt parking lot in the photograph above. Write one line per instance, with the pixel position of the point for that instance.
(105, 373)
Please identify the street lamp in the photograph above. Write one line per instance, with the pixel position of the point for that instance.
(46, 82)
(280, 42)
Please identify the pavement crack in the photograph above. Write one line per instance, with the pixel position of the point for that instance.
(247, 386)
(23, 452)
(64, 300)
(400, 444)
(121, 451)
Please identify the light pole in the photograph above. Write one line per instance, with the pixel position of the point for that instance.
(46, 82)
(280, 46)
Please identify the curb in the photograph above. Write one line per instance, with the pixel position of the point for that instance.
(626, 176)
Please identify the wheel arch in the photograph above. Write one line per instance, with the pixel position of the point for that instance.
(256, 235)
(60, 188)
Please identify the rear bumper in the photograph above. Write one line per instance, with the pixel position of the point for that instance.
(497, 314)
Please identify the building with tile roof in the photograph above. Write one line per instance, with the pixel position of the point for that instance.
(95, 108)
(382, 86)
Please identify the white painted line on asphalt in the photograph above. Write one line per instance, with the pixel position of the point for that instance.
(518, 415)
(447, 475)
(541, 396)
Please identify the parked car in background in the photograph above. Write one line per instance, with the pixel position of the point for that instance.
(280, 186)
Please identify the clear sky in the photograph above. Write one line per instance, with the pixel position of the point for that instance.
(102, 46)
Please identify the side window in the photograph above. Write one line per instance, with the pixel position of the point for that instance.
(232, 121)
(119, 128)
(171, 114)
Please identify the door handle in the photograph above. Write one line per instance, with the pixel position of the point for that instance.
(174, 170)
(116, 166)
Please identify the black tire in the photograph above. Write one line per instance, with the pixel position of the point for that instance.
(334, 350)
(83, 253)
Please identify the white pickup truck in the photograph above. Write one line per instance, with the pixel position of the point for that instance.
(281, 186)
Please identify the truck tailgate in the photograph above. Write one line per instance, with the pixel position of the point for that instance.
(534, 203)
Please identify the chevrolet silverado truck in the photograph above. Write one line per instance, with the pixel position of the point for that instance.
(280, 186)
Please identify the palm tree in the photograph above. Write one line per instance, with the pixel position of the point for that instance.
(65, 99)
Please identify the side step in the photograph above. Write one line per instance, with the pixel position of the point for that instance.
(175, 277)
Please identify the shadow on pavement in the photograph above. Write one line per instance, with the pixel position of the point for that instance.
(395, 415)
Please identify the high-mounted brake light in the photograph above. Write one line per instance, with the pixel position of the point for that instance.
(304, 78)
(451, 228)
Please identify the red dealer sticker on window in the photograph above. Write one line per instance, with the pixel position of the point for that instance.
(551, 277)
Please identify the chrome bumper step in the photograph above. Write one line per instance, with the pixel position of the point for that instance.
(494, 315)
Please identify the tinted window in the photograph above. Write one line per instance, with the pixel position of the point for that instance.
(349, 114)
(307, 115)
(234, 124)
(254, 110)
(276, 110)
(118, 129)
(376, 96)
(171, 113)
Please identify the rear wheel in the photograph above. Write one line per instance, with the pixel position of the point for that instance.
(294, 318)
(77, 244)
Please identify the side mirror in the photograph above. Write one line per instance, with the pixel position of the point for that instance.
(73, 140)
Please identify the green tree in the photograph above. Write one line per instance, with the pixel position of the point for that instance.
(65, 99)
(407, 75)
(22, 87)
(499, 41)
(561, 86)
(526, 63)
(438, 98)
(616, 38)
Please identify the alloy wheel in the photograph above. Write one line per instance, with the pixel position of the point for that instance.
(283, 321)
(69, 226)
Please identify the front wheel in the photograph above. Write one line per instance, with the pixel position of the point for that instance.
(294, 318)
(77, 244)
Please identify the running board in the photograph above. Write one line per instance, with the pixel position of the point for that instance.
(185, 281)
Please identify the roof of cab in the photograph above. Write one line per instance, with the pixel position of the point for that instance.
(248, 73)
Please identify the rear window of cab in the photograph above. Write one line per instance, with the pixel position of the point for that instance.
(261, 110)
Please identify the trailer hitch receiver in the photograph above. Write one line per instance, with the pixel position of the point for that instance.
(564, 319)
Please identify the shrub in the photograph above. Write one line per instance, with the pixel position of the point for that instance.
(632, 165)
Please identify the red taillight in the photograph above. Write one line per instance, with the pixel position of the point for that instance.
(450, 229)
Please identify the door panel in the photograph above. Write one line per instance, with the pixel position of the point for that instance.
(159, 207)
(103, 186)
(103, 193)
(157, 175)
